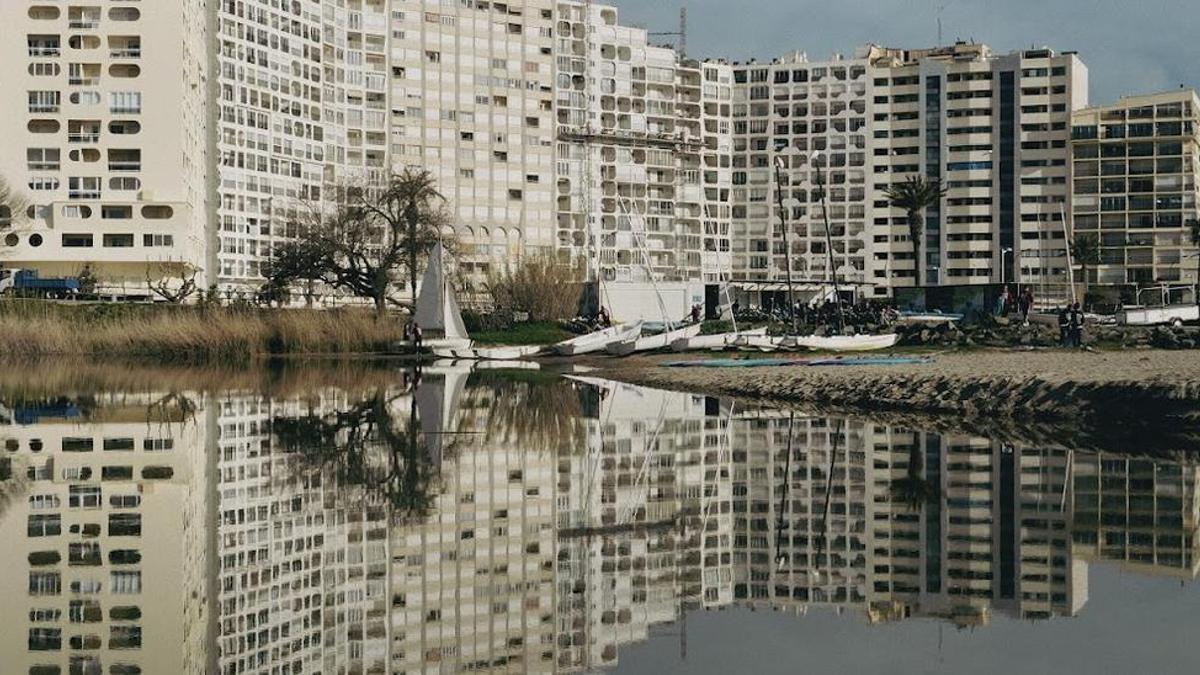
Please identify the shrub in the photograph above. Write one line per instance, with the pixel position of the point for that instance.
(540, 286)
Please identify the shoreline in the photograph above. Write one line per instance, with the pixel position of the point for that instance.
(1143, 399)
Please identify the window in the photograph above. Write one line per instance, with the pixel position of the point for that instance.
(45, 583)
(83, 187)
(125, 183)
(125, 102)
(76, 444)
(45, 639)
(43, 159)
(44, 101)
(125, 637)
(124, 524)
(77, 241)
(83, 553)
(124, 501)
(118, 241)
(84, 497)
(158, 240)
(44, 525)
(85, 611)
(126, 583)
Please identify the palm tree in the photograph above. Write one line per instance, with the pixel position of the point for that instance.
(1085, 250)
(415, 192)
(916, 195)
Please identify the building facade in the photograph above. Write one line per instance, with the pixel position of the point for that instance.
(1133, 171)
(991, 128)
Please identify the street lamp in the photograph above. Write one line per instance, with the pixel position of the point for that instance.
(783, 224)
(824, 194)
(1003, 266)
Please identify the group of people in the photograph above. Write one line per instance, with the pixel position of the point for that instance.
(1070, 325)
(1020, 303)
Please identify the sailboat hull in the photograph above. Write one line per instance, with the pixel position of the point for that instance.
(846, 343)
(722, 341)
(653, 342)
(598, 341)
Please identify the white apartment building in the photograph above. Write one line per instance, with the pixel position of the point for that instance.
(992, 128)
(104, 136)
(1134, 167)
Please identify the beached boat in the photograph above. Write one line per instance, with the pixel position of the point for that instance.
(437, 311)
(844, 343)
(759, 343)
(653, 342)
(721, 341)
(599, 340)
(499, 353)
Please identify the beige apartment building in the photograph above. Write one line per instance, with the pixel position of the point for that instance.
(104, 136)
(1134, 167)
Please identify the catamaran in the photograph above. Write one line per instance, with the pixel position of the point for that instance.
(843, 343)
(652, 342)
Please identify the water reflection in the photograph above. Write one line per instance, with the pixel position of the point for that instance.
(522, 522)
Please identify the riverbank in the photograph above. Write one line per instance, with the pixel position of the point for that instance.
(1145, 398)
(187, 334)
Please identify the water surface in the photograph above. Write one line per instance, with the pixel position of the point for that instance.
(366, 519)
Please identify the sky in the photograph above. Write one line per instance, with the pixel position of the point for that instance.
(1129, 46)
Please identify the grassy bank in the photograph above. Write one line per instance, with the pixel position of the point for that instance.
(532, 333)
(35, 329)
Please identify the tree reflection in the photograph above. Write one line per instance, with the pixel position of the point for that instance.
(369, 445)
(913, 490)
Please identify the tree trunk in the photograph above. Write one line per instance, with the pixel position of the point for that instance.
(308, 294)
(412, 216)
(380, 302)
(1084, 271)
(915, 233)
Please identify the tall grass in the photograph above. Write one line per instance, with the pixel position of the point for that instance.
(35, 329)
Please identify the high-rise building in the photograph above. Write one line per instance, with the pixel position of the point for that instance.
(991, 128)
(104, 135)
(1134, 167)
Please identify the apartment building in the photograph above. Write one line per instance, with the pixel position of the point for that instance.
(992, 128)
(1133, 170)
(104, 137)
(106, 529)
(471, 87)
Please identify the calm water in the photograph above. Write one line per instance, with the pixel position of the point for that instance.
(366, 520)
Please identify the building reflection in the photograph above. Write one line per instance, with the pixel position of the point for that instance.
(470, 521)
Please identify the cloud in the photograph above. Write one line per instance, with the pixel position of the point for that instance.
(1129, 47)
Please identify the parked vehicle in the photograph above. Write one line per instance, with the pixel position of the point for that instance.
(1170, 309)
(28, 283)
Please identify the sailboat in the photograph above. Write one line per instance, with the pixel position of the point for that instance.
(438, 312)
(652, 342)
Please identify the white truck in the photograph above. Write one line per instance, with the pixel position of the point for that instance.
(1171, 310)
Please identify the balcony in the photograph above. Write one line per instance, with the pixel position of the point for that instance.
(125, 166)
(84, 137)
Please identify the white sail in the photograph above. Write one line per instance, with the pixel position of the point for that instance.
(437, 309)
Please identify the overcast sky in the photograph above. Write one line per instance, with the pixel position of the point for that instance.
(1129, 46)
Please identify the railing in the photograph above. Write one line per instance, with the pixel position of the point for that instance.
(45, 51)
(43, 107)
(126, 53)
(83, 194)
(84, 137)
(114, 165)
(125, 110)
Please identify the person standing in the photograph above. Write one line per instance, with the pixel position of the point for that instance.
(1064, 326)
(1002, 302)
(1076, 326)
(1026, 305)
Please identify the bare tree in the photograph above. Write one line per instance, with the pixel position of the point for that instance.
(173, 283)
(13, 205)
(368, 234)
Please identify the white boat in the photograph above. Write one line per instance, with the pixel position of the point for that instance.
(597, 341)
(437, 312)
(721, 341)
(844, 343)
(653, 342)
(499, 353)
(759, 343)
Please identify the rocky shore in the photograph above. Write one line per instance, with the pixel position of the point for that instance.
(1143, 400)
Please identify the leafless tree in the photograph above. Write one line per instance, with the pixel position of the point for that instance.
(366, 235)
(173, 282)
